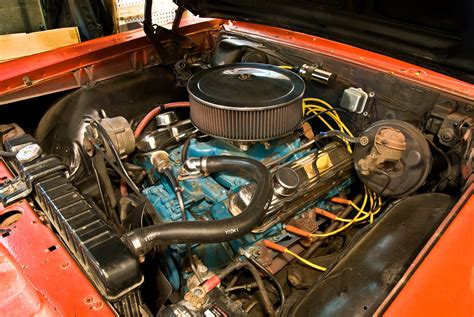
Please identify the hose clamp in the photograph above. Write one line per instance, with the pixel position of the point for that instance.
(134, 243)
(204, 165)
(192, 168)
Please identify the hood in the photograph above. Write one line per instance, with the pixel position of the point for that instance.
(438, 35)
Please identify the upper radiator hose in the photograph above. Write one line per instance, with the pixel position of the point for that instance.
(143, 240)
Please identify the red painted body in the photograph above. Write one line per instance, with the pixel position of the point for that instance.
(358, 56)
(37, 274)
(82, 64)
(440, 282)
(439, 286)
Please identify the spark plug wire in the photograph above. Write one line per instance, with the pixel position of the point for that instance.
(274, 246)
(328, 110)
(360, 216)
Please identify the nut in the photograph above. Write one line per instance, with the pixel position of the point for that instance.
(196, 296)
(295, 278)
(364, 140)
(447, 135)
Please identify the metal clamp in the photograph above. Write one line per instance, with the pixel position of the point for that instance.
(193, 168)
(13, 190)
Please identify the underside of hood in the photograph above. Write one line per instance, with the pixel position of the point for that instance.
(438, 35)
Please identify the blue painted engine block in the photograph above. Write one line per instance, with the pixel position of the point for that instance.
(207, 198)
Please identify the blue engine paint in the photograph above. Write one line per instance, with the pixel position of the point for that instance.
(206, 199)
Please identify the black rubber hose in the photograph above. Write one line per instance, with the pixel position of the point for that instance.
(185, 148)
(143, 240)
(7, 154)
(169, 174)
(347, 137)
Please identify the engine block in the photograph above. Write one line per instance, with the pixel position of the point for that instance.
(319, 174)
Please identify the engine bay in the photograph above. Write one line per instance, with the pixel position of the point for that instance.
(247, 178)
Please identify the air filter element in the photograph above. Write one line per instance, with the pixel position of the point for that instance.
(246, 101)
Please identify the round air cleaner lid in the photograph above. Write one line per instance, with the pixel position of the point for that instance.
(246, 85)
(246, 101)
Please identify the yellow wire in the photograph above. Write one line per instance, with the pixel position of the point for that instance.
(320, 118)
(327, 234)
(349, 149)
(380, 206)
(303, 260)
(315, 109)
(375, 204)
(357, 218)
(343, 219)
(328, 106)
(368, 196)
(321, 102)
(285, 67)
(372, 206)
(334, 116)
(364, 202)
(331, 233)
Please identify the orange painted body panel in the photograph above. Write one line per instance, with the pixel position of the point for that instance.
(443, 284)
(358, 56)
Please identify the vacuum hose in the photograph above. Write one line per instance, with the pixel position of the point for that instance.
(142, 240)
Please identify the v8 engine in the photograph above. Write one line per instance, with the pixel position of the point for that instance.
(244, 111)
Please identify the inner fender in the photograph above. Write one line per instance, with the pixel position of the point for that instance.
(61, 129)
(373, 265)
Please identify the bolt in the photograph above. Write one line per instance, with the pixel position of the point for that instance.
(447, 135)
(469, 108)
(64, 265)
(198, 292)
(245, 76)
(27, 81)
(294, 277)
